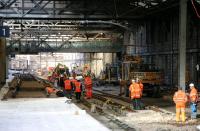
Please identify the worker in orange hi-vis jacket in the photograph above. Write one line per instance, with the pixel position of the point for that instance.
(78, 90)
(193, 101)
(88, 86)
(139, 81)
(49, 90)
(73, 80)
(68, 88)
(180, 99)
(136, 94)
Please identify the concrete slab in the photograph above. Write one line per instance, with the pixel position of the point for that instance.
(45, 114)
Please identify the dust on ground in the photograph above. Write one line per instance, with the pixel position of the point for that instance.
(149, 120)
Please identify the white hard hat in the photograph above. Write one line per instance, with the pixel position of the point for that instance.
(191, 85)
(133, 80)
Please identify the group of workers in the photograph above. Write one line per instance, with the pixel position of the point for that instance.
(136, 89)
(181, 98)
(70, 86)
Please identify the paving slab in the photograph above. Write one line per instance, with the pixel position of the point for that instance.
(45, 114)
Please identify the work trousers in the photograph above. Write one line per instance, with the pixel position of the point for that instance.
(137, 105)
(68, 94)
(78, 95)
(180, 112)
(193, 107)
(88, 89)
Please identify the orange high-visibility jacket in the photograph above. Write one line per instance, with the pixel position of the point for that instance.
(141, 85)
(193, 95)
(68, 85)
(135, 90)
(49, 89)
(180, 97)
(78, 86)
(88, 81)
(73, 81)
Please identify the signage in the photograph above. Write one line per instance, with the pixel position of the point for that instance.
(4, 31)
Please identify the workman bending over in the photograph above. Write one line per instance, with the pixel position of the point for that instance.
(136, 94)
(50, 90)
(180, 99)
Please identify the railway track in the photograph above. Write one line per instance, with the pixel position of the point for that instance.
(28, 87)
(127, 100)
(154, 108)
(109, 109)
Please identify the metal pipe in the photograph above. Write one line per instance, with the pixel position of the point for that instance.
(107, 22)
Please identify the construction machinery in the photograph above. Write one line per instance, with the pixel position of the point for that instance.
(151, 77)
(60, 69)
(111, 74)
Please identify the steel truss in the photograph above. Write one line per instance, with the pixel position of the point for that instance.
(42, 25)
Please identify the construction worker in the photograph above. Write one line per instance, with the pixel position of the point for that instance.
(88, 86)
(142, 88)
(141, 85)
(193, 101)
(73, 80)
(136, 94)
(180, 99)
(49, 90)
(68, 88)
(78, 90)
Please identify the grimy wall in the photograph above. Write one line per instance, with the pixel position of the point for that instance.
(157, 38)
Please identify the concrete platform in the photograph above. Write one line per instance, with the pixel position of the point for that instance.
(45, 114)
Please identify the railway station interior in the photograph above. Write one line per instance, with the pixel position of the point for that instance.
(99, 65)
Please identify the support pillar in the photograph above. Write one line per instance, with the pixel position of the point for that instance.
(7, 64)
(182, 43)
(126, 41)
(129, 43)
(2, 61)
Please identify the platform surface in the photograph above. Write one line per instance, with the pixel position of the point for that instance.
(45, 114)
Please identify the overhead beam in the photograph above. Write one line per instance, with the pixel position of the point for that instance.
(82, 46)
(76, 10)
(34, 7)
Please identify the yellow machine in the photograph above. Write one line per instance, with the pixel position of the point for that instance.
(152, 78)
